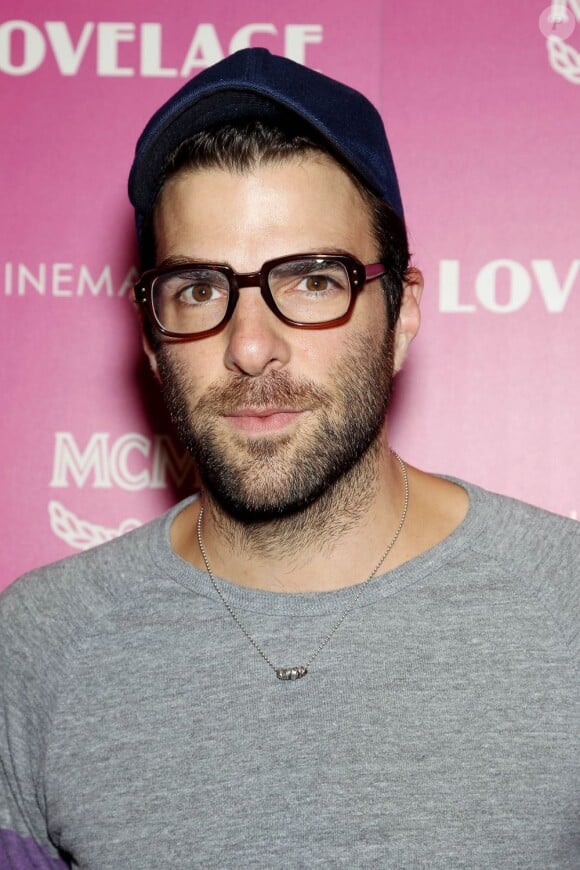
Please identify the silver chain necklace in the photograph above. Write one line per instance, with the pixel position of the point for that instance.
(297, 671)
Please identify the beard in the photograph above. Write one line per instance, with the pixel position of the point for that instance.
(261, 479)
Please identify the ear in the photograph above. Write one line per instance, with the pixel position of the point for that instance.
(409, 318)
(149, 352)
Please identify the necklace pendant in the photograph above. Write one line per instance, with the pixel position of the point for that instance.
(291, 673)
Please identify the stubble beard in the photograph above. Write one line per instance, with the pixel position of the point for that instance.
(311, 482)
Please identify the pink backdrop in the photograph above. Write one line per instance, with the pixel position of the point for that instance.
(483, 114)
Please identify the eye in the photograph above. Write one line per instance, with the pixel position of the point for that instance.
(193, 288)
(322, 283)
(309, 280)
(317, 283)
(198, 293)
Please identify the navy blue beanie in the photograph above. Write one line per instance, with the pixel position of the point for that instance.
(253, 83)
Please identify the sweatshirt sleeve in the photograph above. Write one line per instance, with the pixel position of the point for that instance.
(24, 839)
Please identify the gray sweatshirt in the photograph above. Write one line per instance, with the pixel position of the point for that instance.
(437, 729)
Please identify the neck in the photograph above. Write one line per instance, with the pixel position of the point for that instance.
(334, 542)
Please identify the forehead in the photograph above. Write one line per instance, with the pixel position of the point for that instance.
(303, 204)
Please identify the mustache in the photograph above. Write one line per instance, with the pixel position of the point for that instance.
(276, 389)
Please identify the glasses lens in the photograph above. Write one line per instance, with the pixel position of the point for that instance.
(311, 290)
(191, 300)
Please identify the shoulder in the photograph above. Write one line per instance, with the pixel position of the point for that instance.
(538, 549)
(46, 609)
(518, 531)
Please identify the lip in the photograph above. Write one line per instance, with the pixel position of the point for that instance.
(260, 421)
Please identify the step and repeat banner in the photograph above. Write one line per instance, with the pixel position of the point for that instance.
(482, 106)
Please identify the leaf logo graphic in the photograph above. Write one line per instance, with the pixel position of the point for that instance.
(82, 534)
(557, 23)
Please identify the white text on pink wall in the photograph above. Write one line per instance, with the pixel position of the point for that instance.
(126, 48)
(504, 286)
(131, 462)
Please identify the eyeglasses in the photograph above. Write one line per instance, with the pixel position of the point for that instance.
(305, 290)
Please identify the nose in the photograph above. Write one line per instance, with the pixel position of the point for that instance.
(256, 339)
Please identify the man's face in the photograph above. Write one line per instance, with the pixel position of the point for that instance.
(274, 414)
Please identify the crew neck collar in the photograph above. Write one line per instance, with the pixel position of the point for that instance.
(388, 583)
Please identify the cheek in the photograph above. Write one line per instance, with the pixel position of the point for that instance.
(177, 374)
(367, 323)
(195, 363)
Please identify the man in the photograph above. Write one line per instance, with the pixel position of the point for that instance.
(328, 658)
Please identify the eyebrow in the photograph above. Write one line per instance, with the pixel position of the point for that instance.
(178, 260)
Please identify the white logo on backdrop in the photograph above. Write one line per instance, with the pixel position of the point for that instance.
(124, 48)
(504, 286)
(64, 280)
(82, 534)
(131, 462)
(557, 23)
